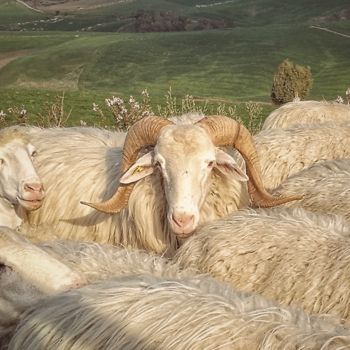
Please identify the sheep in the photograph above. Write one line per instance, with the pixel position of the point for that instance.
(297, 114)
(184, 180)
(325, 187)
(149, 312)
(21, 189)
(284, 152)
(29, 272)
(152, 286)
(286, 259)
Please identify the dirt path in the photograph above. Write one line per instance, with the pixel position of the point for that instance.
(7, 57)
(26, 5)
(331, 31)
(215, 4)
(222, 100)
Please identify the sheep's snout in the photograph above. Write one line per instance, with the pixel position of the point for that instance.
(71, 281)
(34, 187)
(183, 223)
(31, 195)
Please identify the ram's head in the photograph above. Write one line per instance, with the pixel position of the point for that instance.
(185, 155)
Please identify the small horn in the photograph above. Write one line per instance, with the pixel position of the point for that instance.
(225, 131)
(142, 134)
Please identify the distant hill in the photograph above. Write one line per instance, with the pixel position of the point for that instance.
(89, 48)
(111, 15)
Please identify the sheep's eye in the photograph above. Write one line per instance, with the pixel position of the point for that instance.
(34, 154)
(210, 164)
(4, 268)
(2, 161)
(157, 164)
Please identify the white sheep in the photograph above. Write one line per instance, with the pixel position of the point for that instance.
(148, 289)
(148, 312)
(295, 114)
(325, 187)
(290, 260)
(185, 179)
(21, 189)
(284, 152)
(29, 272)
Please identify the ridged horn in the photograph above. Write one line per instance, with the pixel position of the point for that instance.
(225, 131)
(142, 134)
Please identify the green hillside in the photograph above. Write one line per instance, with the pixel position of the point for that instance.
(236, 63)
(12, 12)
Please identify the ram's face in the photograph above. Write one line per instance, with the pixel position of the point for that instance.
(185, 156)
(19, 182)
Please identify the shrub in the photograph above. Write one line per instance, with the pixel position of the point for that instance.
(290, 81)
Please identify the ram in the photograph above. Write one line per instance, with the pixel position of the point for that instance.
(148, 312)
(185, 179)
(21, 189)
(325, 187)
(299, 113)
(284, 152)
(288, 259)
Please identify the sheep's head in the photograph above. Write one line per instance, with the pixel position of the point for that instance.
(19, 182)
(28, 273)
(185, 155)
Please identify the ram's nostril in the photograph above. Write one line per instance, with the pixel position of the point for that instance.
(182, 219)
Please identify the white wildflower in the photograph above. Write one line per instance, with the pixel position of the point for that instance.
(339, 99)
(296, 97)
(2, 114)
(145, 93)
(82, 123)
(114, 101)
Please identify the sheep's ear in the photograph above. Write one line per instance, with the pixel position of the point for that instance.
(142, 168)
(226, 164)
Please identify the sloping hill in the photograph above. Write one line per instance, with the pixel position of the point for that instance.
(239, 62)
(236, 63)
(110, 15)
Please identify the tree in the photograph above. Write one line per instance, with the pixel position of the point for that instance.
(290, 81)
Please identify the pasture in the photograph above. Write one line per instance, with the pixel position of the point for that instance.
(234, 64)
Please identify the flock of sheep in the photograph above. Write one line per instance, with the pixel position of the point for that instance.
(186, 233)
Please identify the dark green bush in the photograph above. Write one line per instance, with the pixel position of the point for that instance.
(290, 81)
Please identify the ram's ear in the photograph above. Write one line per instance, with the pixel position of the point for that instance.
(227, 165)
(142, 168)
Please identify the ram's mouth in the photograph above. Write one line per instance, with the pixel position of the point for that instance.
(183, 235)
(30, 204)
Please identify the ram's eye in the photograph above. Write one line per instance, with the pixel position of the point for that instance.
(157, 164)
(210, 164)
(34, 154)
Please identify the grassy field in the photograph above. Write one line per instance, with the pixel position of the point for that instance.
(236, 64)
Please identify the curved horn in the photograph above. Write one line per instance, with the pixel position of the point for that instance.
(225, 131)
(143, 133)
